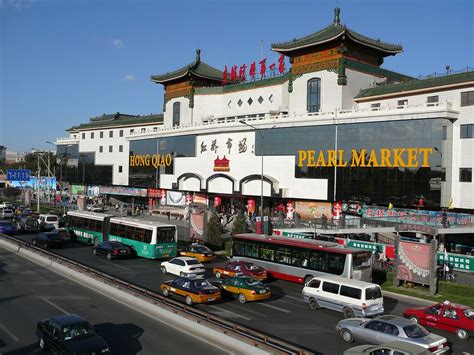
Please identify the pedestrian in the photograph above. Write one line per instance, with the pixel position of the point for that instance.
(324, 221)
(168, 214)
(343, 221)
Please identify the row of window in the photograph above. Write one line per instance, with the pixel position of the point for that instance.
(111, 133)
(467, 131)
(85, 223)
(467, 99)
(318, 260)
(111, 149)
(130, 232)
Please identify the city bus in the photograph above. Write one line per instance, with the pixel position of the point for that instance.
(148, 239)
(298, 260)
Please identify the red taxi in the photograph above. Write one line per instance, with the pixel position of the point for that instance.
(240, 268)
(454, 318)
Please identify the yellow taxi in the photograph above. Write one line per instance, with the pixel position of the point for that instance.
(200, 252)
(192, 290)
(245, 288)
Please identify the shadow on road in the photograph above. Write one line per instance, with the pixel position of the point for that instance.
(122, 338)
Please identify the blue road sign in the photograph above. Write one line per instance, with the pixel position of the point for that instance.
(18, 175)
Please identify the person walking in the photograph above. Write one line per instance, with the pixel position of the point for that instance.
(324, 221)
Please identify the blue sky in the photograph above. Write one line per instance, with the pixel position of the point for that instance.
(64, 61)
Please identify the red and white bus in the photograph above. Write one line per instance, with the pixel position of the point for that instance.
(299, 260)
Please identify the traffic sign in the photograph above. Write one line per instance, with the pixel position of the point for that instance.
(18, 174)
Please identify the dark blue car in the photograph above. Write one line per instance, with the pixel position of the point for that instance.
(7, 227)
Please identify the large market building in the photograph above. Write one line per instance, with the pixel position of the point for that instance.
(333, 126)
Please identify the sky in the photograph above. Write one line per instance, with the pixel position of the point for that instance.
(65, 61)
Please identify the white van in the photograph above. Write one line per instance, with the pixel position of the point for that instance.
(48, 221)
(353, 298)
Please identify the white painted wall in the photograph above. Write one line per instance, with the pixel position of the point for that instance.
(185, 115)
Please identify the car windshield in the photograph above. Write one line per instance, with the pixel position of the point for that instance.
(253, 282)
(192, 262)
(202, 283)
(469, 313)
(372, 293)
(252, 267)
(75, 331)
(415, 331)
(51, 219)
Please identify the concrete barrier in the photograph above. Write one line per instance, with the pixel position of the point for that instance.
(183, 323)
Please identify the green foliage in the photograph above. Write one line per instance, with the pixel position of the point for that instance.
(240, 224)
(213, 232)
(11, 192)
(451, 288)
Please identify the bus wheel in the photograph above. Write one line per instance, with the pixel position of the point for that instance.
(313, 304)
(189, 301)
(218, 275)
(348, 312)
(96, 242)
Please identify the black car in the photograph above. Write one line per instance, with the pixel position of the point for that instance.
(112, 249)
(70, 334)
(25, 223)
(48, 240)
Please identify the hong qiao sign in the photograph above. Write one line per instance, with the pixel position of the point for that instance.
(380, 158)
(155, 160)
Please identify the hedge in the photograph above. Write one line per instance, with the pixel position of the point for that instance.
(451, 288)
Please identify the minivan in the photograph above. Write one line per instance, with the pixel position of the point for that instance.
(353, 298)
(48, 221)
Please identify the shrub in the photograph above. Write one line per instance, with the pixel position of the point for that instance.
(213, 231)
(240, 224)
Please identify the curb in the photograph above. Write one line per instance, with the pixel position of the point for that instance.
(410, 298)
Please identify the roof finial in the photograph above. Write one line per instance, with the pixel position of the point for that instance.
(198, 55)
(337, 19)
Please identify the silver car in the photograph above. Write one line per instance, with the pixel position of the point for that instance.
(393, 347)
(388, 328)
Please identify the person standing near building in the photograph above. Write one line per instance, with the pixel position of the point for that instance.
(324, 221)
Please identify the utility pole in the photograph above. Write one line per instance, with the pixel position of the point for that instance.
(49, 178)
(38, 185)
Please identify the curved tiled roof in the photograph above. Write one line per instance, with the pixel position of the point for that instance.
(332, 32)
(197, 68)
(118, 119)
(417, 85)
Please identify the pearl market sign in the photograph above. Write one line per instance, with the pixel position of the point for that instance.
(380, 158)
(155, 160)
(241, 75)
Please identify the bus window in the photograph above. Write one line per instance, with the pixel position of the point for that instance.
(147, 234)
(139, 234)
(283, 255)
(336, 263)
(361, 260)
(251, 249)
(165, 235)
(266, 253)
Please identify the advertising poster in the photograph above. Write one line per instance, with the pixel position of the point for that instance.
(251, 206)
(77, 189)
(414, 262)
(175, 198)
(92, 190)
(125, 191)
(200, 198)
(312, 209)
(196, 230)
(44, 183)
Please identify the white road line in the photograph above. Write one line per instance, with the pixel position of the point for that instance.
(226, 313)
(294, 298)
(293, 304)
(10, 334)
(245, 309)
(275, 307)
(55, 306)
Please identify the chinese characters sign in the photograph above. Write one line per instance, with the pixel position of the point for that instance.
(239, 74)
(18, 175)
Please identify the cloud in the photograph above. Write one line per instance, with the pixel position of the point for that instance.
(128, 77)
(118, 43)
(17, 4)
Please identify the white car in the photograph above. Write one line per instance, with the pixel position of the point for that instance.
(183, 266)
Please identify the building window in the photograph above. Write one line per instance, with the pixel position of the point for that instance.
(83, 136)
(143, 130)
(465, 174)
(402, 103)
(467, 98)
(445, 133)
(466, 130)
(120, 168)
(155, 129)
(101, 134)
(375, 107)
(110, 149)
(121, 133)
(92, 135)
(432, 100)
(120, 148)
(176, 113)
(131, 130)
(101, 149)
(111, 134)
(314, 95)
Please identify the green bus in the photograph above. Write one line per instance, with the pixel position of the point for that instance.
(148, 239)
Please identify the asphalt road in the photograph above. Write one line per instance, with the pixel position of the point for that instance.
(284, 315)
(29, 293)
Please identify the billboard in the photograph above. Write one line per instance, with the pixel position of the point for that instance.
(414, 262)
(312, 209)
(45, 183)
(175, 198)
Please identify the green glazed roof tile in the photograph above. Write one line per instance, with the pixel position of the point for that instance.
(118, 119)
(197, 68)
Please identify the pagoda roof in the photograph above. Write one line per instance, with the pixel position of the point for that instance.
(331, 33)
(196, 68)
(118, 119)
(415, 85)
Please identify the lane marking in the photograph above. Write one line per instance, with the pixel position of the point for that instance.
(295, 298)
(275, 307)
(9, 333)
(245, 309)
(292, 303)
(55, 305)
(226, 313)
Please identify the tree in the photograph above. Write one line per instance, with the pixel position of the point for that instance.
(213, 233)
(240, 224)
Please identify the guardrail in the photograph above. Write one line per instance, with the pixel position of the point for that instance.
(250, 336)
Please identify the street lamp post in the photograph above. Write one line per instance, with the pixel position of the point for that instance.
(49, 172)
(261, 174)
(83, 168)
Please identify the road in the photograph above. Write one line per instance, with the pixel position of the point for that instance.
(284, 315)
(29, 293)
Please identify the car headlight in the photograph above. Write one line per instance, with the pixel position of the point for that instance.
(106, 350)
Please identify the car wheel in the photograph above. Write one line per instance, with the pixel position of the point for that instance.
(462, 334)
(166, 293)
(413, 319)
(189, 300)
(313, 304)
(94, 251)
(42, 344)
(242, 298)
(163, 270)
(109, 256)
(348, 312)
(347, 336)
(218, 275)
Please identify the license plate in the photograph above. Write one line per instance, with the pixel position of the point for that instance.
(123, 251)
(211, 299)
